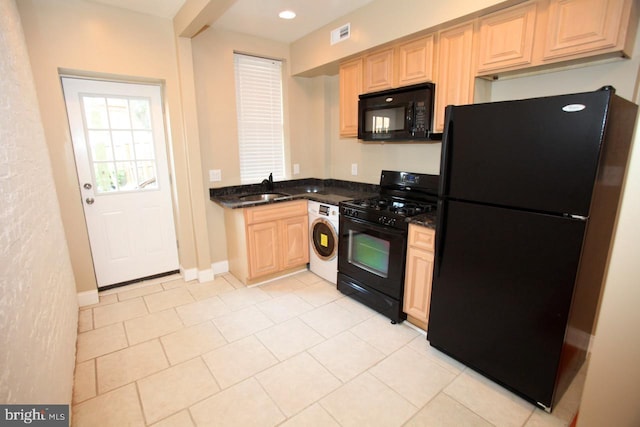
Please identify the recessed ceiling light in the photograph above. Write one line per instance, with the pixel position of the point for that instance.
(287, 14)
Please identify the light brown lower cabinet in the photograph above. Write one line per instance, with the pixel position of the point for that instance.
(266, 241)
(419, 275)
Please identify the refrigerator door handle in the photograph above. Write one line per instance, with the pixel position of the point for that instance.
(578, 217)
(443, 190)
(447, 141)
(441, 231)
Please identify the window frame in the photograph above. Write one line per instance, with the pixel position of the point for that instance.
(259, 82)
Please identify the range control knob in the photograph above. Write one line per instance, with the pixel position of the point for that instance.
(387, 221)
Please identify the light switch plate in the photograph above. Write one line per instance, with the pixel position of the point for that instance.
(215, 175)
(354, 169)
(296, 168)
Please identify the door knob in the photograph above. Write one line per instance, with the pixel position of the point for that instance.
(90, 200)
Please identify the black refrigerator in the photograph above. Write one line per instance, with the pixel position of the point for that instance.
(528, 198)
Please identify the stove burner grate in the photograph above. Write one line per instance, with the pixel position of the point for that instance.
(398, 207)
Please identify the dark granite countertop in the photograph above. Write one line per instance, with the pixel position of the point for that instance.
(426, 219)
(329, 191)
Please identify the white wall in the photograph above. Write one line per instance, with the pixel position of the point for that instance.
(89, 38)
(377, 23)
(213, 70)
(612, 388)
(38, 307)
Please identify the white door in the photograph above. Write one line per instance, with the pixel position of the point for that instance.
(119, 146)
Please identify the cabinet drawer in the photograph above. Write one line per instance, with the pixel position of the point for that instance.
(275, 211)
(422, 237)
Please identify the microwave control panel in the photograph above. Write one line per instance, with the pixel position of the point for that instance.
(420, 112)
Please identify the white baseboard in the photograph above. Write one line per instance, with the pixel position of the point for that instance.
(205, 275)
(220, 267)
(189, 274)
(88, 298)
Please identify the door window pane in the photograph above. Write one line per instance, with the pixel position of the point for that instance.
(123, 145)
(95, 112)
(140, 116)
(143, 144)
(105, 177)
(147, 175)
(119, 113)
(120, 140)
(126, 175)
(100, 143)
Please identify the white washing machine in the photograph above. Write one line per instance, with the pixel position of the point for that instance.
(323, 240)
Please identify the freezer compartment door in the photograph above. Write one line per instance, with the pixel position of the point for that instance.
(537, 154)
(502, 293)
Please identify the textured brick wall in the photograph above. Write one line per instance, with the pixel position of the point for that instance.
(38, 306)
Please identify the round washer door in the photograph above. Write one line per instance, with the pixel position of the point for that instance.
(324, 238)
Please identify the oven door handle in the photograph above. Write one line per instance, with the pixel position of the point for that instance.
(372, 225)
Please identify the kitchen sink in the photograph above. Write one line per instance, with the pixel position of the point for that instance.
(262, 197)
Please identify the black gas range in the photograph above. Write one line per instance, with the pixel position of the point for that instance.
(373, 239)
(386, 210)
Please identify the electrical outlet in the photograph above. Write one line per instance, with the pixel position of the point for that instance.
(354, 169)
(215, 175)
(296, 168)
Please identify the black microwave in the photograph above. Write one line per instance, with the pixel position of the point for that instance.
(403, 114)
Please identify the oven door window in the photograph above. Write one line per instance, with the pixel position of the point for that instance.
(385, 120)
(369, 253)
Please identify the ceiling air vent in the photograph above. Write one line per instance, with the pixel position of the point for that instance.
(341, 33)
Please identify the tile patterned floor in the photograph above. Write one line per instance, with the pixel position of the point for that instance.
(293, 352)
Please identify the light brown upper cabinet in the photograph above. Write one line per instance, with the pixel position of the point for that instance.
(532, 35)
(350, 87)
(454, 79)
(546, 33)
(415, 61)
(378, 70)
(506, 38)
(579, 28)
(402, 64)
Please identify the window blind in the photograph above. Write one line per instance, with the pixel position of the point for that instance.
(260, 118)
